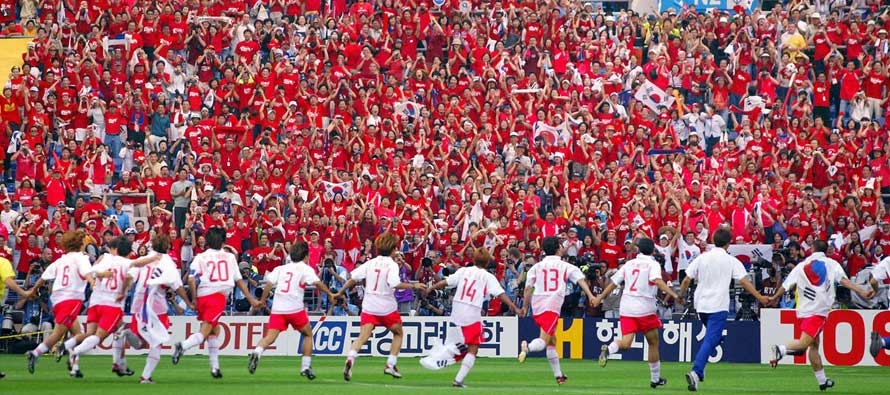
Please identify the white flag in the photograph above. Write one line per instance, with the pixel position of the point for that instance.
(652, 96)
(331, 189)
(150, 326)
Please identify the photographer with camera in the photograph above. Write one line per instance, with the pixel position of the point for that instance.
(333, 276)
(252, 280)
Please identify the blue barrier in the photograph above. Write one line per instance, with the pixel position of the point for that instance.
(581, 338)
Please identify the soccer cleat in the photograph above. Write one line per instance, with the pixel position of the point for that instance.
(2, 375)
(877, 343)
(70, 362)
(777, 355)
(828, 384)
(604, 355)
(523, 351)
(252, 362)
(347, 371)
(216, 373)
(660, 382)
(561, 380)
(458, 384)
(308, 373)
(59, 351)
(32, 362)
(121, 371)
(392, 371)
(76, 374)
(692, 381)
(177, 352)
(143, 380)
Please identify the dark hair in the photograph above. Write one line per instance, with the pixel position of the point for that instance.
(550, 244)
(298, 251)
(646, 246)
(722, 237)
(122, 245)
(160, 243)
(216, 237)
(820, 245)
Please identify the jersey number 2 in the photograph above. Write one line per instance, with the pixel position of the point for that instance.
(636, 275)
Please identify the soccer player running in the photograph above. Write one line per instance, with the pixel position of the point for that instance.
(474, 284)
(379, 307)
(106, 304)
(815, 280)
(150, 282)
(714, 272)
(217, 270)
(641, 278)
(879, 274)
(548, 281)
(290, 281)
(70, 275)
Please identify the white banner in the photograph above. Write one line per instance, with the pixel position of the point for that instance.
(845, 337)
(652, 96)
(241, 334)
(750, 252)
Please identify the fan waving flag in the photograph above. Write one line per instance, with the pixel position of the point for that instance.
(343, 188)
(653, 96)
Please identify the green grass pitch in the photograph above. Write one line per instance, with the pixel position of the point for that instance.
(279, 375)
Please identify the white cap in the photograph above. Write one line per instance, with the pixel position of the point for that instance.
(723, 19)
(815, 15)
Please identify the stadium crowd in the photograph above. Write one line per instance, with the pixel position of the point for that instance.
(456, 126)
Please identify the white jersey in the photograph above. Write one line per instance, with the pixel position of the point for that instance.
(161, 272)
(687, 253)
(290, 283)
(638, 276)
(881, 271)
(714, 272)
(815, 278)
(381, 276)
(216, 272)
(473, 285)
(68, 274)
(667, 252)
(108, 289)
(549, 278)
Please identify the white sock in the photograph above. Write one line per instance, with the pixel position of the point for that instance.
(537, 345)
(553, 359)
(391, 360)
(613, 347)
(783, 350)
(151, 362)
(117, 349)
(258, 351)
(213, 344)
(655, 371)
(75, 362)
(465, 367)
(88, 344)
(40, 350)
(820, 376)
(306, 362)
(193, 340)
(70, 343)
(350, 356)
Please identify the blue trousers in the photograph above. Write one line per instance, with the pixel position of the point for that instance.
(714, 324)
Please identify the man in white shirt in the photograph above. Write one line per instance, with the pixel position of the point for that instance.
(547, 280)
(815, 280)
(379, 307)
(474, 284)
(879, 274)
(641, 278)
(687, 251)
(714, 271)
(290, 281)
(217, 270)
